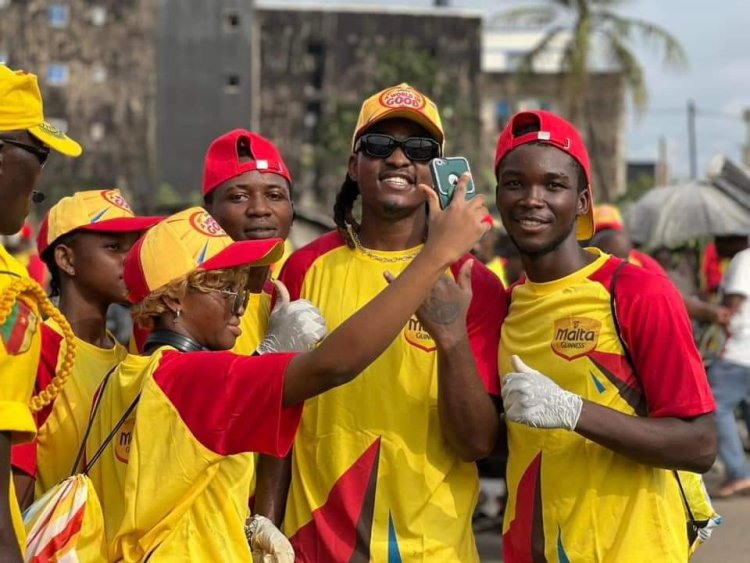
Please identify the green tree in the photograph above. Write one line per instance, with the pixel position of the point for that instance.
(576, 26)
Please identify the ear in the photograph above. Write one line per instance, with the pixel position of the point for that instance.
(353, 167)
(65, 259)
(584, 202)
(174, 304)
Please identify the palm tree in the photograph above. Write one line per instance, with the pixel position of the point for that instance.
(576, 25)
(580, 28)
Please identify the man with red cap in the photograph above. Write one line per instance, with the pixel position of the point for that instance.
(247, 188)
(625, 400)
(25, 143)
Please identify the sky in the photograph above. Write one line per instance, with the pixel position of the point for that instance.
(715, 38)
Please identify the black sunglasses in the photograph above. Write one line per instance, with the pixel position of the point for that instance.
(41, 153)
(377, 145)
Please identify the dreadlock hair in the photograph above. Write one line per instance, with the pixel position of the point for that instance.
(342, 209)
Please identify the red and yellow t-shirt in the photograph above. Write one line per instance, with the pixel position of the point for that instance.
(19, 358)
(62, 424)
(373, 477)
(570, 499)
(646, 262)
(173, 482)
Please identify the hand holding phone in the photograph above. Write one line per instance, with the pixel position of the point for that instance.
(446, 172)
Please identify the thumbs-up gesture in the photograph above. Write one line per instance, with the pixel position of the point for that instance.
(294, 326)
(533, 399)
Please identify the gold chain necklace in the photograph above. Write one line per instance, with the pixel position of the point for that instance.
(367, 252)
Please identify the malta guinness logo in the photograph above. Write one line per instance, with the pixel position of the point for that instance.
(575, 337)
(417, 336)
(115, 198)
(202, 222)
(123, 439)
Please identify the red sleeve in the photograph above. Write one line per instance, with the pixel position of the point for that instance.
(232, 404)
(485, 317)
(296, 266)
(648, 263)
(23, 456)
(656, 327)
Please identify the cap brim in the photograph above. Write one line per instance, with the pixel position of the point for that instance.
(122, 225)
(246, 253)
(585, 224)
(410, 114)
(56, 139)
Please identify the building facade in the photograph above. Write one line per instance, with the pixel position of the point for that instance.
(145, 85)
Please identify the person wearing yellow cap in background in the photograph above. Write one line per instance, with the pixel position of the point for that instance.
(383, 467)
(611, 237)
(83, 240)
(25, 143)
(173, 482)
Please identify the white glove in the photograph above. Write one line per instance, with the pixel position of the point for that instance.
(267, 543)
(292, 327)
(533, 399)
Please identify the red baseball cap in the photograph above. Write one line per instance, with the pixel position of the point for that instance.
(558, 132)
(223, 161)
(104, 211)
(187, 241)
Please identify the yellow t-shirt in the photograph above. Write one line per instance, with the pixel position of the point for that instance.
(497, 267)
(19, 359)
(63, 426)
(173, 481)
(570, 499)
(373, 477)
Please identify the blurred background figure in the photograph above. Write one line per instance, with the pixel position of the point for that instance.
(611, 237)
(499, 254)
(22, 247)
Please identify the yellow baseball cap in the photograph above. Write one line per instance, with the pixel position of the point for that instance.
(607, 217)
(94, 210)
(400, 101)
(187, 241)
(21, 109)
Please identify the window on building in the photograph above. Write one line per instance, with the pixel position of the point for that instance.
(57, 74)
(58, 15)
(98, 15)
(98, 73)
(232, 84)
(231, 21)
(3, 55)
(96, 131)
(503, 111)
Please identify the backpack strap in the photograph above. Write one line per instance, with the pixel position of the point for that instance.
(94, 409)
(111, 435)
(629, 358)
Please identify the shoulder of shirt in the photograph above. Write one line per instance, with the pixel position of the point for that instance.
(302, 258)
(633, 281)
(10, 268)
(482, 278)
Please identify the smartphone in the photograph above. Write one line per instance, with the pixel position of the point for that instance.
(445, 175)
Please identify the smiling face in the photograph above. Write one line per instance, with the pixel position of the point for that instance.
(253, 206)
(389, 186)
(539, 198)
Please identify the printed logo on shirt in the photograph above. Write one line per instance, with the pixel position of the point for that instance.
(417, 336)
(19, 328)
(575, 337)
(123, 439)
(115, 198)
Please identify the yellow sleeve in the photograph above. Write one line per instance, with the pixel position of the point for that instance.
(20, 347)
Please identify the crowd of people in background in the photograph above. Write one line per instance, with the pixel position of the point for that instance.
(340, 401)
